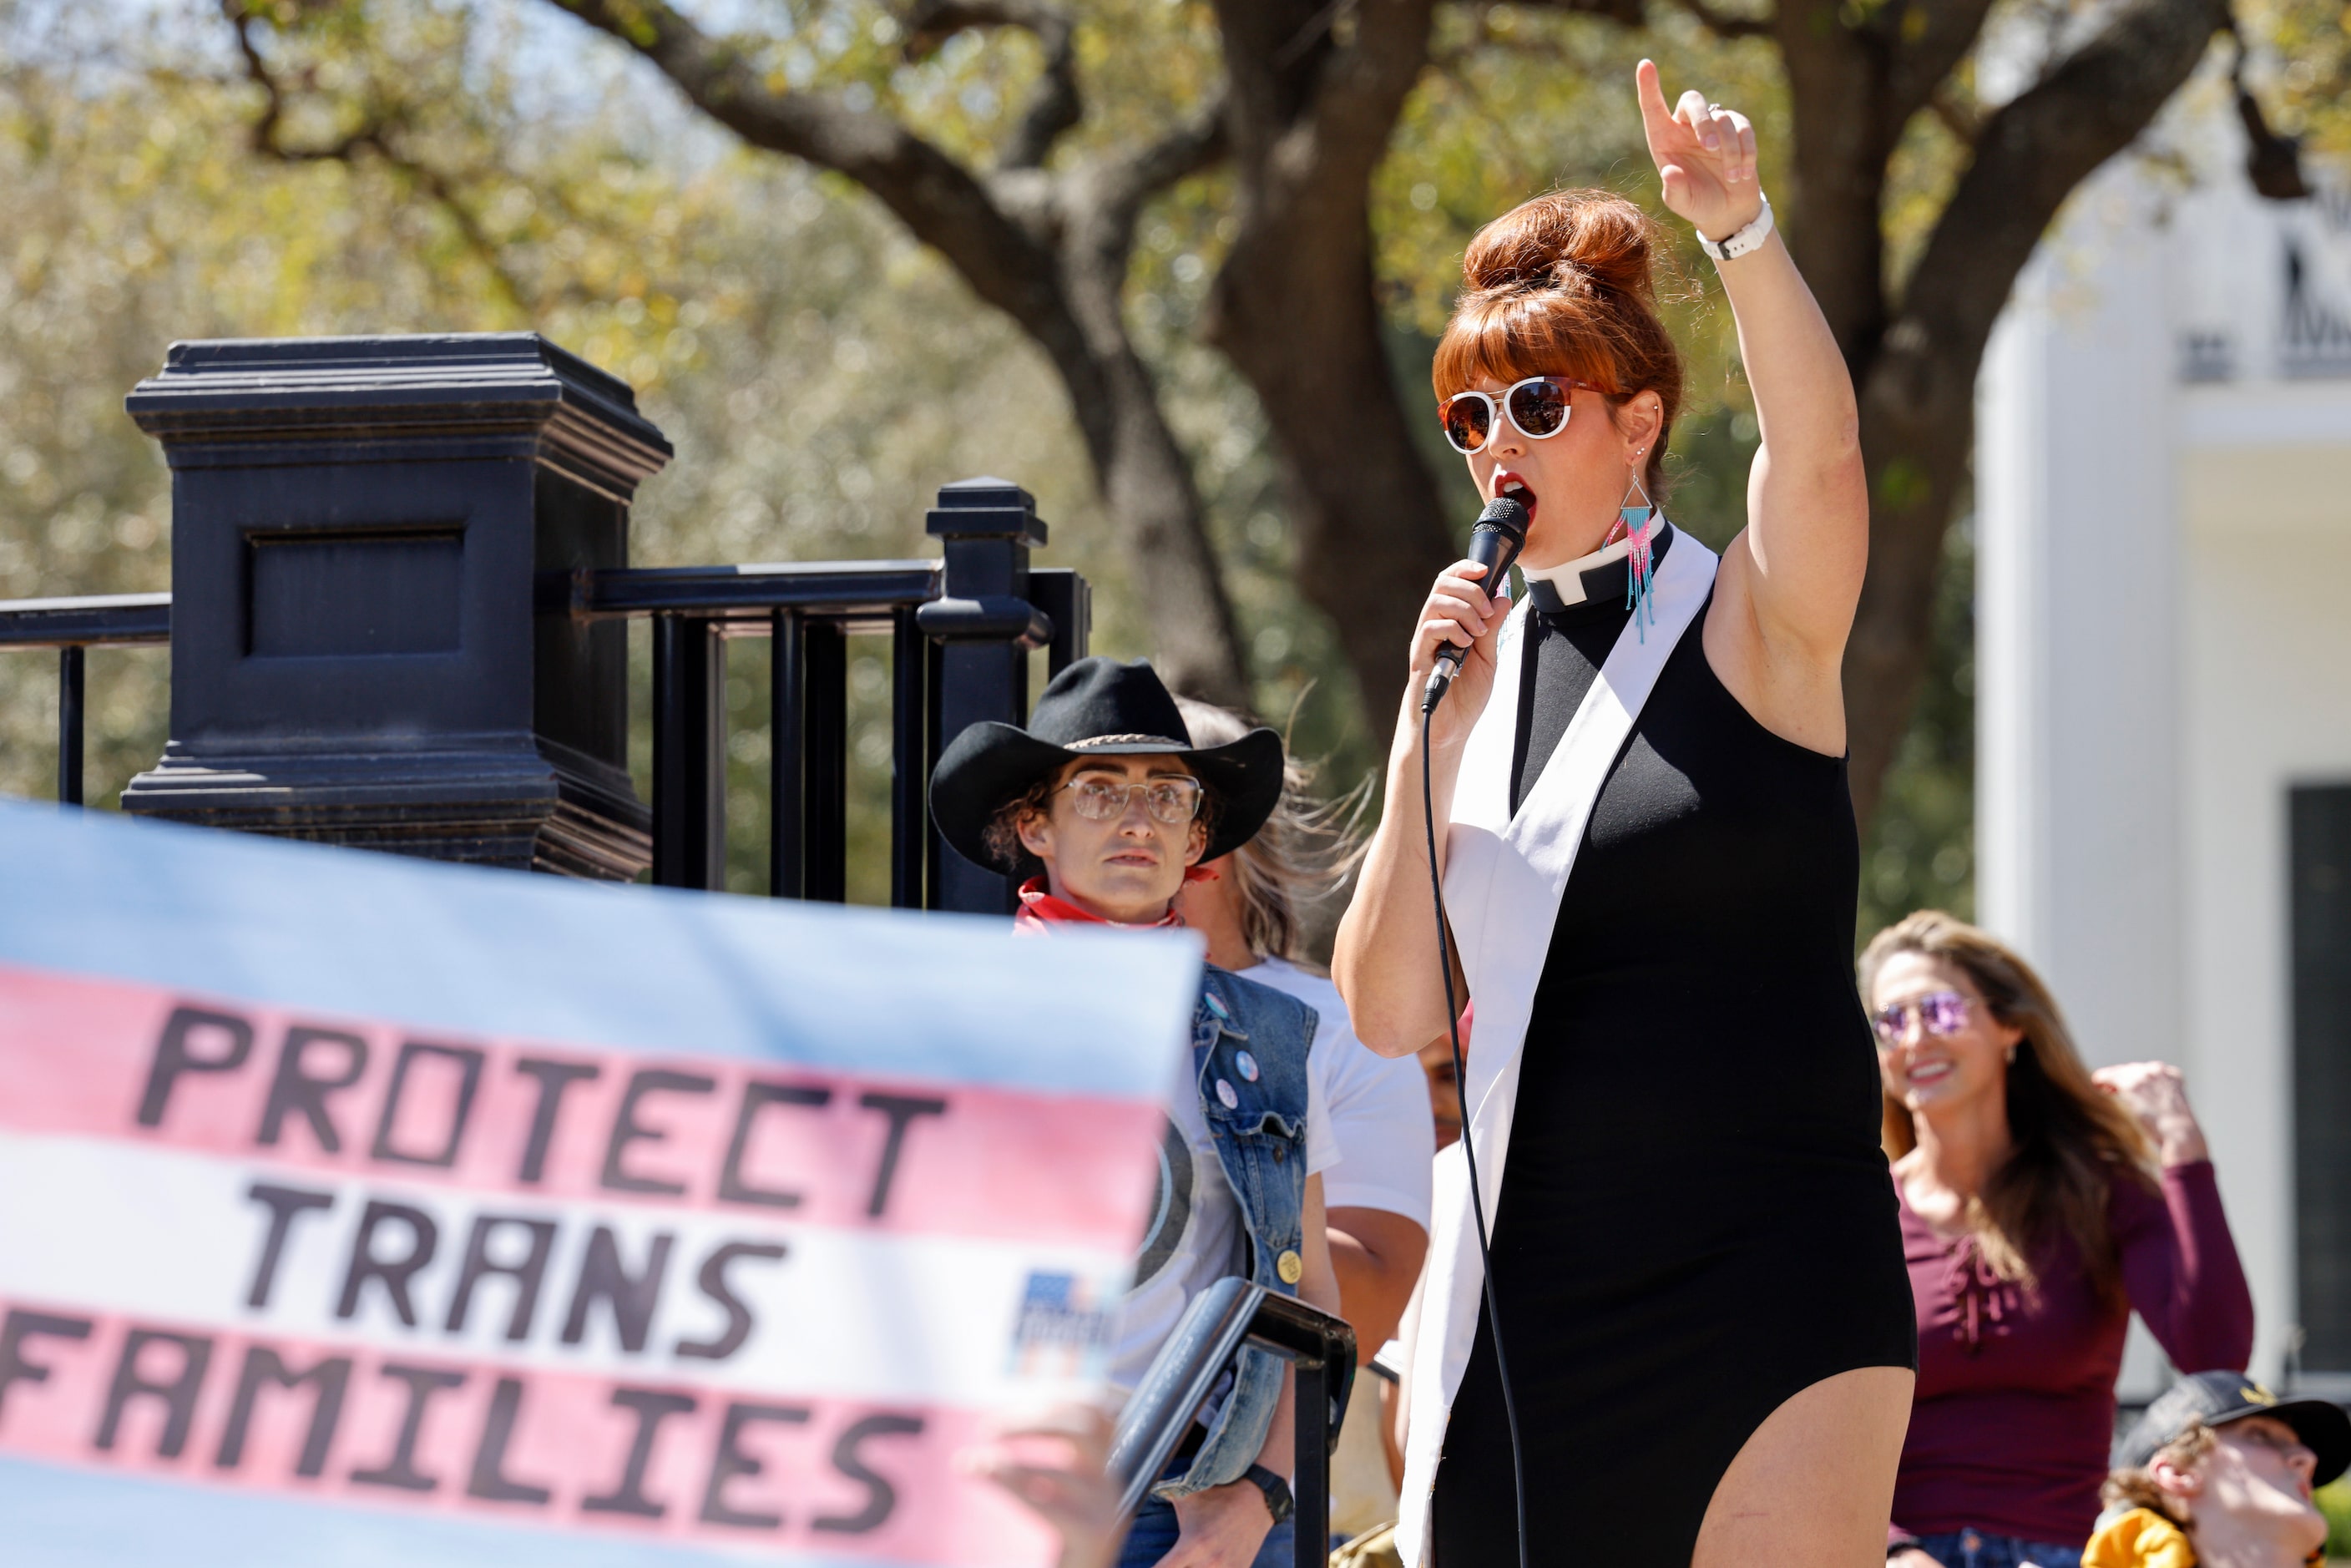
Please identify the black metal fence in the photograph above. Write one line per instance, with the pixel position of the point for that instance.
(805, 611)
(72, 627)
(400, 581)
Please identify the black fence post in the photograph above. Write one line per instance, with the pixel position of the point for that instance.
(1311, 1442)
(70, 687)
(934, 742)
(378, 551)
(786, 723)
(910, 669)
(824, 800)
(987, 625)
(689, 739)
(1068, 600)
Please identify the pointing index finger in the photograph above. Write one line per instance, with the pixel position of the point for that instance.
(1657, 120)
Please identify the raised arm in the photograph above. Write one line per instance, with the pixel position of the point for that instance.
(2180, 1262)
(1789, 581)
(2181, 1272)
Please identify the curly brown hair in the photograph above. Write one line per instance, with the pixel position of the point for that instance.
(2136, 1487)
(1002, 834)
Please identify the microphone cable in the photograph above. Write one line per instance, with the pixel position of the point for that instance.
(1469, 1144)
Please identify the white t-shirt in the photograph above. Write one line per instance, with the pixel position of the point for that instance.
(1194, 1237)
(1378, 1105)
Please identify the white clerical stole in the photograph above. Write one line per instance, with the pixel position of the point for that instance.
(1503, 878)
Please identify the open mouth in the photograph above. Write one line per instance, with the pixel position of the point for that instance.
(1926, 1074)
(1512, 485)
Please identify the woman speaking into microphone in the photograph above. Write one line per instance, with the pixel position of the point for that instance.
(1649, 865)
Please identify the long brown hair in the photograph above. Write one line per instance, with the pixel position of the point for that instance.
(1305, 851)
(1565, 285)
(2071, 1139)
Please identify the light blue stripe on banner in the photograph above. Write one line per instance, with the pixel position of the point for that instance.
(381, 936)
(52, 1516)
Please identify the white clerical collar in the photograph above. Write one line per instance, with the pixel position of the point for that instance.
(1566, 579)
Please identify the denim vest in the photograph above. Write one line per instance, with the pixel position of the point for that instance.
(1261, 1140)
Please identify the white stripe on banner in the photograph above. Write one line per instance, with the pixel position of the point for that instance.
(111, 1227)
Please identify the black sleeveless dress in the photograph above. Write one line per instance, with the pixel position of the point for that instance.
(1695, 1220)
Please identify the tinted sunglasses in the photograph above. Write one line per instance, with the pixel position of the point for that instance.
(1939, 1013)
(1170, 800)
(1539, 406)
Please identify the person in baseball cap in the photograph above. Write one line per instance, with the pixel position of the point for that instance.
(2219, 1473)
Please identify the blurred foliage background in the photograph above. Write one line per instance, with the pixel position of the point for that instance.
(820, 373)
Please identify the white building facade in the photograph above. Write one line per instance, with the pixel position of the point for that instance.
(2163, 475)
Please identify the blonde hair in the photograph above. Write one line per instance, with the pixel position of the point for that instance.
(2136, 1487)
(1306, 849)
(2071, 1139)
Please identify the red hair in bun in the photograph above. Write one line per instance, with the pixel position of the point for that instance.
(1562, 286)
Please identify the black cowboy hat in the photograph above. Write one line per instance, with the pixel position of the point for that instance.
(1099, 707)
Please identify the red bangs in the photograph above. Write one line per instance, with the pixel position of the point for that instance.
(1506, 337)
(1560, 286)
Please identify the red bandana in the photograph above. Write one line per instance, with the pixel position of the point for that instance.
(1041, 911)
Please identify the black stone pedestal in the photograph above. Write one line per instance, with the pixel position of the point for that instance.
(359, 652)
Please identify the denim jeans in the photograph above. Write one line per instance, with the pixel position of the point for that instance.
(1973, 1548)
(1152, 1536)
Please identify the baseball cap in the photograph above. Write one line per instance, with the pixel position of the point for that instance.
(2217, 1398)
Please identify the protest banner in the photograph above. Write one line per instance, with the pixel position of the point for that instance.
(359, 1210)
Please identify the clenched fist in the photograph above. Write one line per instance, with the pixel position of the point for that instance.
(2157, 1095)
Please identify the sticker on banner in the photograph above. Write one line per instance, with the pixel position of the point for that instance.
(1063, 1330)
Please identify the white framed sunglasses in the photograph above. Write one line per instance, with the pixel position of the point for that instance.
(1539, 406)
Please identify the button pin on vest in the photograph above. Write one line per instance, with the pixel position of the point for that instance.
(1290, 1266)
(1225, 1093)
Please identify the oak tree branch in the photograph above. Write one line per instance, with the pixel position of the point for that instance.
(374, 135)
(1055, 106)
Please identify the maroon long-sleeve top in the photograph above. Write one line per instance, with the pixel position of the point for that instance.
(2015, 1405)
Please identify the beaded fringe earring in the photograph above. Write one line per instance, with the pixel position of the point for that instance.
(1640, 562)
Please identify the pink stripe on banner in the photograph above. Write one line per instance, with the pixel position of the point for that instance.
(114, 1059)
(555, 1450)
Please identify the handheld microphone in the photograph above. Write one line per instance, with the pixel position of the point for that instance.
(1494, 544)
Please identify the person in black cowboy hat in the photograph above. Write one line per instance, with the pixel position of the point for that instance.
(2218, 1474)
(1105, 799)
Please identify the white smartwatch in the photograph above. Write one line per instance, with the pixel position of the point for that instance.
(1745, 241)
